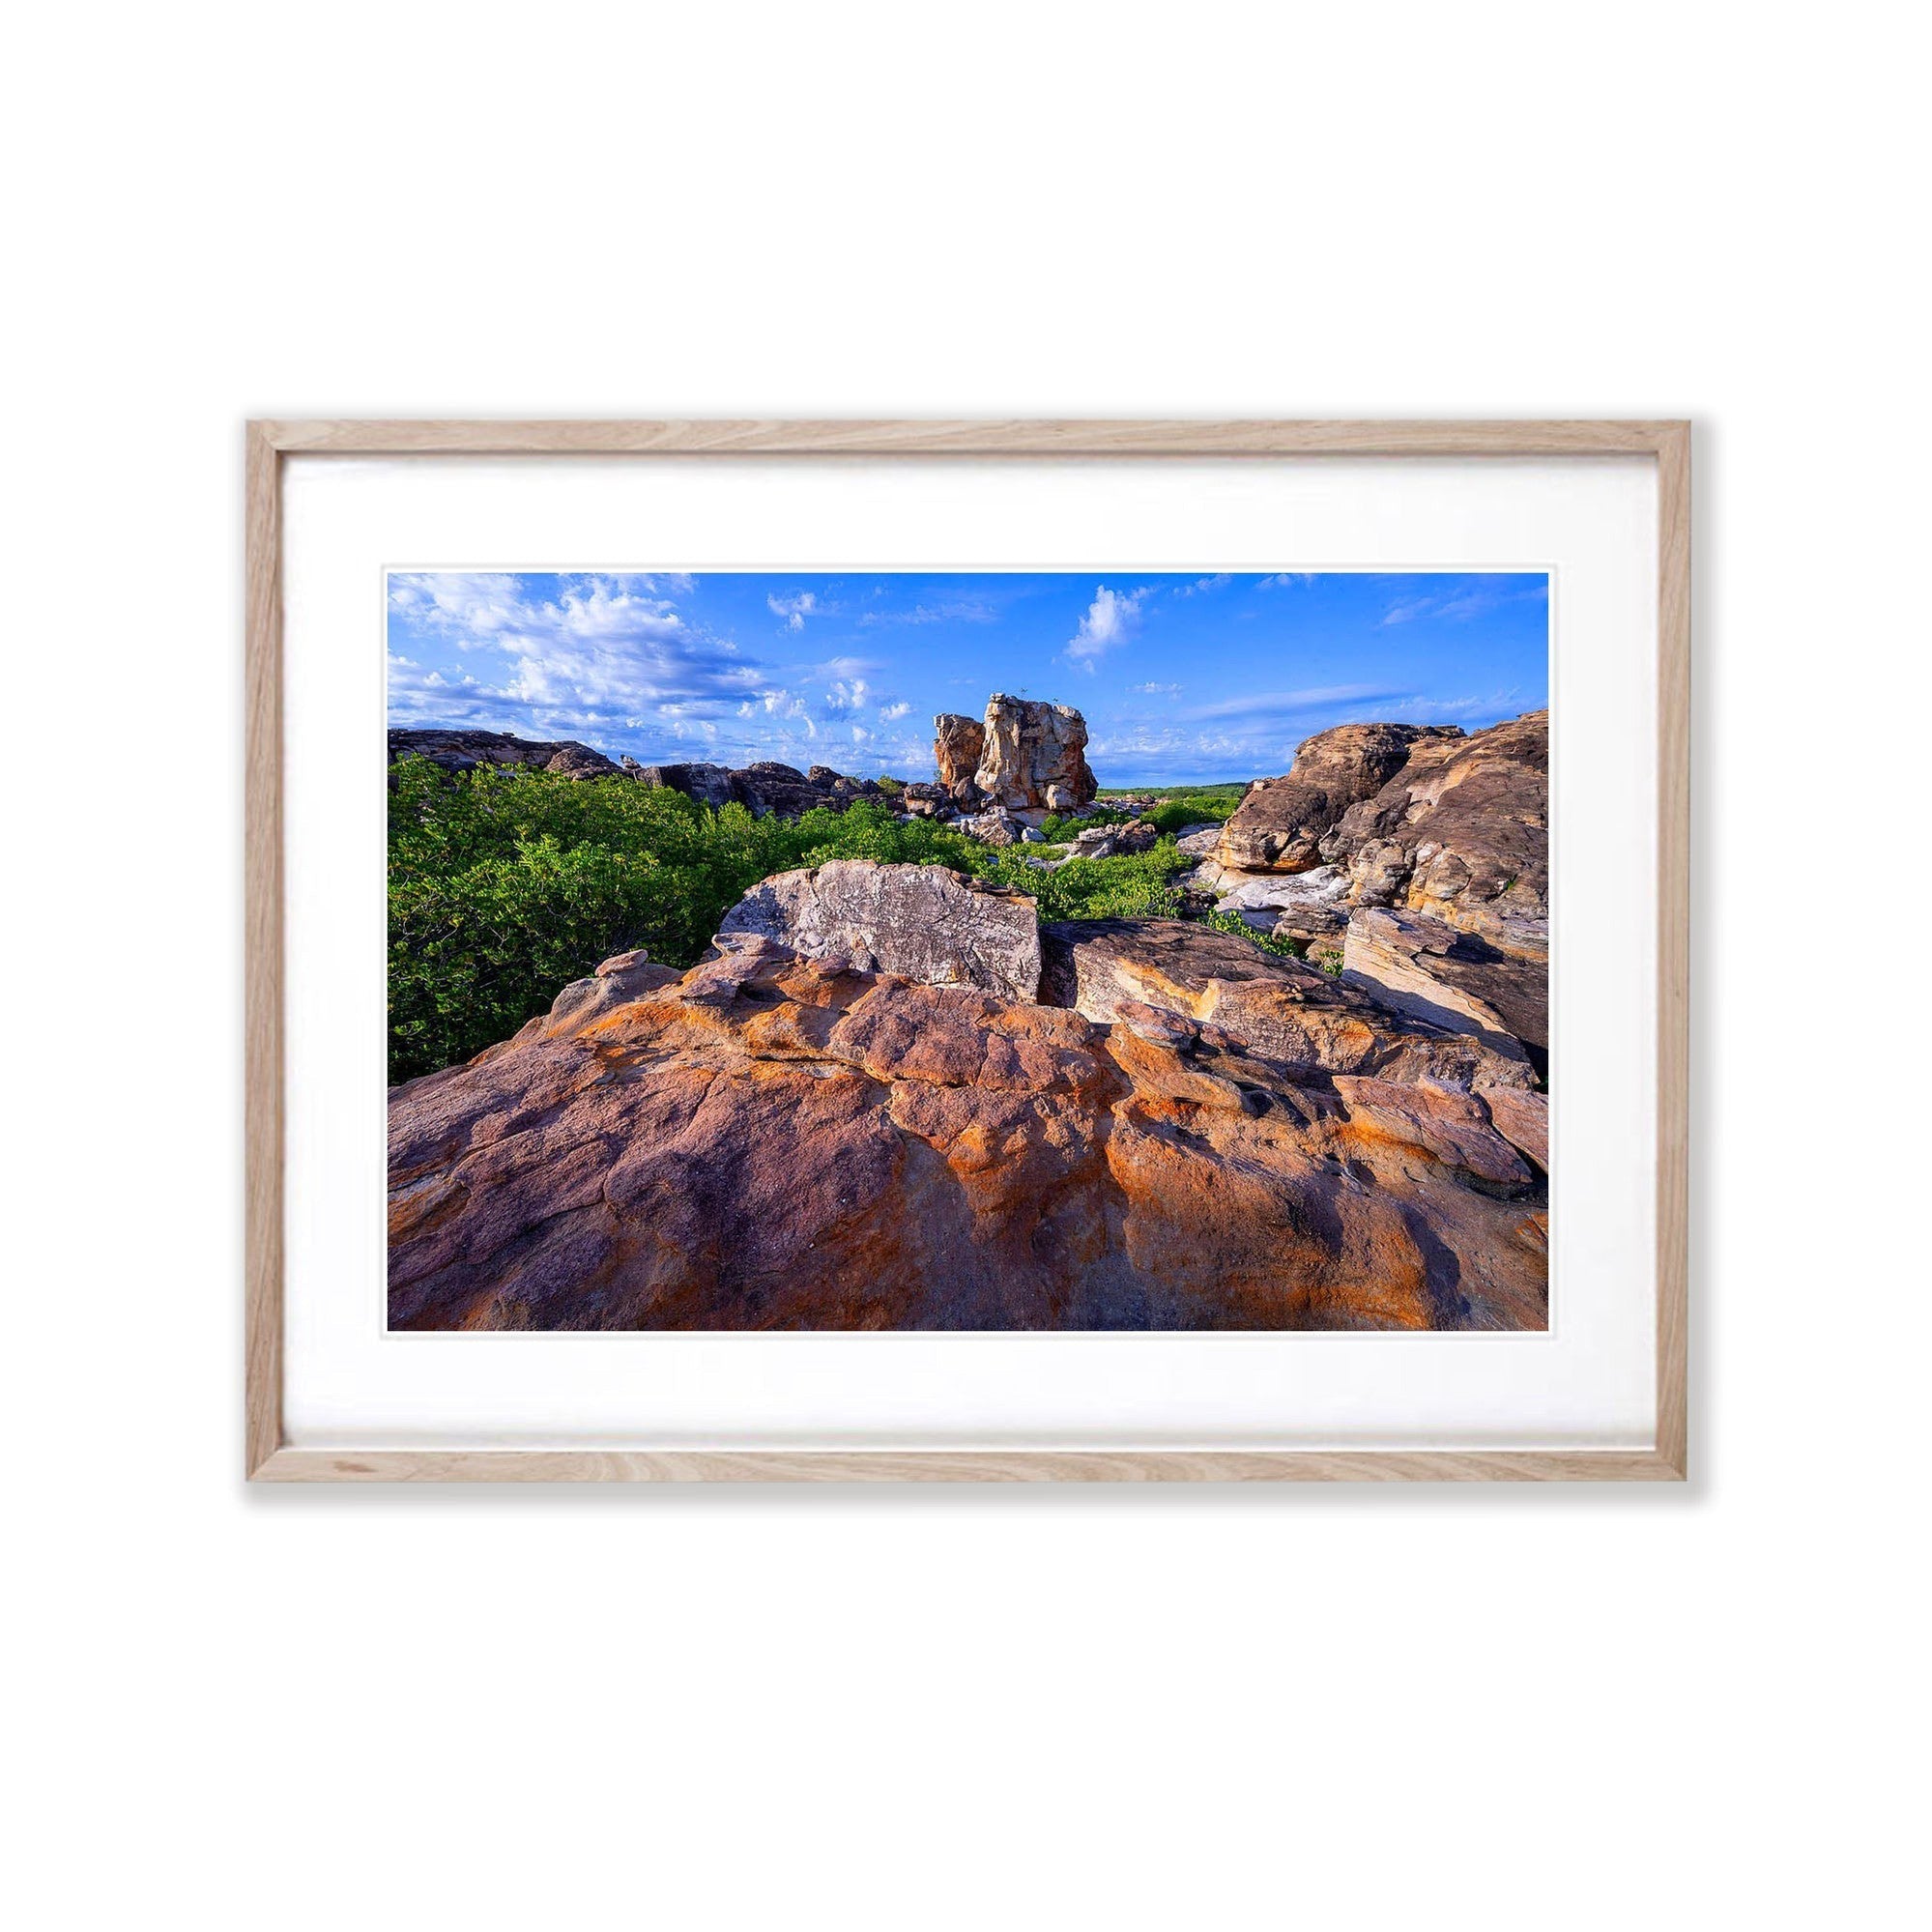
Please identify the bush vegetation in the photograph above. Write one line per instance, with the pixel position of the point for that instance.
(505, 883)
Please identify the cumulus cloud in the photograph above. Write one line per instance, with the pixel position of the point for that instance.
(1111, 619)
(1218, 582)
(564, 656)
(1157, 690)
(1285, 580)
(895, 711)
(847, 695)
(794, 610)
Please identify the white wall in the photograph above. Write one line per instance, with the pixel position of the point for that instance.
(1382, 1709)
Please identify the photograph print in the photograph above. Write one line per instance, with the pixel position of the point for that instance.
(875, 950)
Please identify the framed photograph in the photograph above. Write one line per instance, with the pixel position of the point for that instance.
(968, 951)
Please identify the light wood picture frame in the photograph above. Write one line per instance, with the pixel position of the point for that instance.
(271, 1458)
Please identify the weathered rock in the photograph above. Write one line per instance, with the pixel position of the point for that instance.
(923, 802)
(922, 921)
(1460, 833)
(1522, 1119)
(774, 1142)
(1431, 971)
(1310, 905)
(764, 789)
(769, 786)
(1421, 819)
(1281, 822)
(465, 751)
(958, 745)
(995, 828)
(710, 784)
(1031, 748)
(1290, 1011)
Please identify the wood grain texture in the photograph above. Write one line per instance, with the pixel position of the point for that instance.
(1673, 947)
(269, 1459)
(263, 992)
(977, 1465)
(942, 437)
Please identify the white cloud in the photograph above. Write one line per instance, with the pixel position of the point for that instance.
(965, 610)
(594, 649)
(1111, 619)
(1219, 582)
(795, 610)
(1285, 580)
(847, 695)
(891, 711)
(1157, 690)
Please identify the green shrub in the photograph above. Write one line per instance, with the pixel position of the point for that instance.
(1060, 826)
(1280, 944)
(506, 884)
(1129, 886)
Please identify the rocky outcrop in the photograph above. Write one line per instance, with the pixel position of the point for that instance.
(990, 829)
(922, 921)
(1419, 817)
(1460, 833)
(465, 751)
(1280, 1007)
(774, 1142)
(1280, 825)
(709, 783)
(1307, 906)
(762, 789)
(958, 745)
(1113, 841)
(1431, 971)
(1033, 756)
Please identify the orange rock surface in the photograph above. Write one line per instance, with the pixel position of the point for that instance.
(767, 1142)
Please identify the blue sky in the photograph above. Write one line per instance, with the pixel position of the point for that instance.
(1180, 678)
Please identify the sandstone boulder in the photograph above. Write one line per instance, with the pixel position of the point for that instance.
(709, 783)
(1284, 1008)
(774, 1142)
(995, 828)
(1031, 749)
(1460, 833)
(1310, 905)
(921, 921)
(1281, 822)
(1421, 819)
(958, 744)
(1431, 971)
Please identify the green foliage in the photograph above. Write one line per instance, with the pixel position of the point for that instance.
(867, 830)
(506, 884)
(1207, 807)
(1129, 886)
(1280, 944)
(1060, 826)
